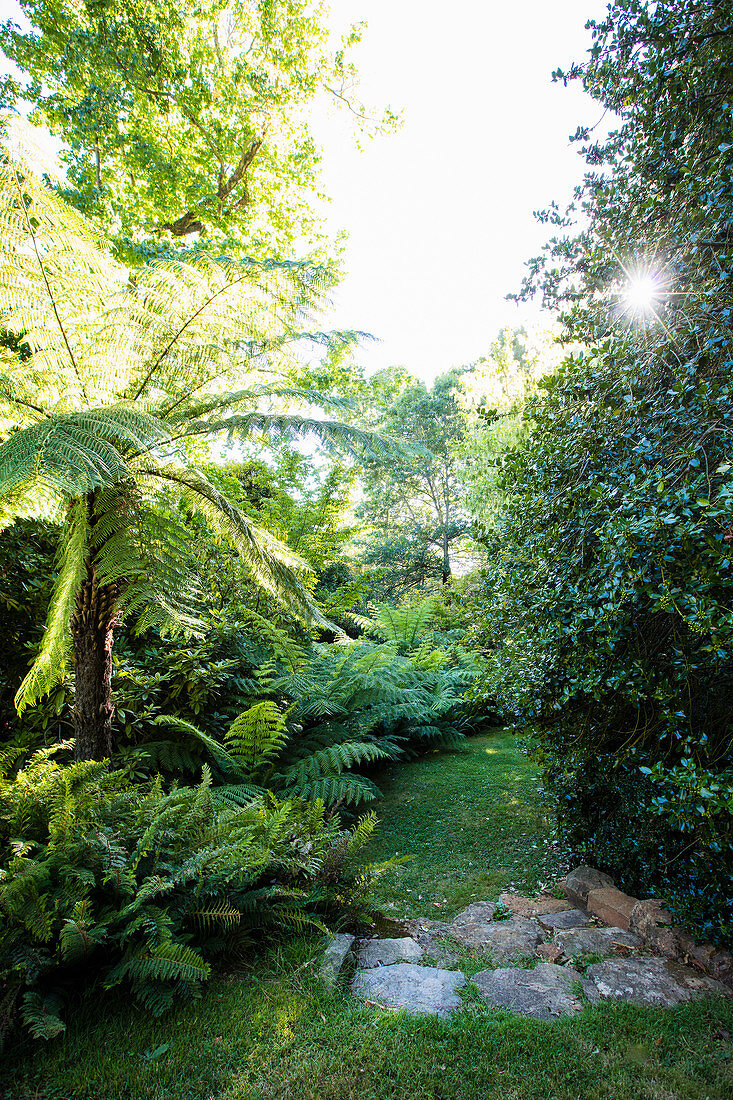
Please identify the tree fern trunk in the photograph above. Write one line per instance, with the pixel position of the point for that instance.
(92, 629)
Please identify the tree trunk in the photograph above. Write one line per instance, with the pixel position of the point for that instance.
(446, 556)
(92, 629)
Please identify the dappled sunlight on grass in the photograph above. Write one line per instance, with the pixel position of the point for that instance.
(273, 1032)
(475, 823)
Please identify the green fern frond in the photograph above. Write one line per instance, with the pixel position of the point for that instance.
(336, 789)
(237, 794)
(257, 735)
(332, 761)
(50, 663)
(80, 934)
(225, 760)
(296, 918)
(282, 644)
(41, 1015)
(222, 917)
(361, 833)
(271, 563)
(167, 962)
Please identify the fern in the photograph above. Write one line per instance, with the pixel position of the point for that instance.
(40, 1014)
(336, 789)
(112, 379)
(256, 736)
(137, 886)
(223, 916)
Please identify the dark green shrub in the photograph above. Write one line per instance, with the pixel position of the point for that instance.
(610, 599)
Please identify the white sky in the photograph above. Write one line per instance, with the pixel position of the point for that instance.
(440, 214)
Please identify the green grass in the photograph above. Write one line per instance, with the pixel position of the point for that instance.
(272, 1032)
(473, 824)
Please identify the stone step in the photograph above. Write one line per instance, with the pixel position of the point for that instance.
(545, 992)
(384, 952)
(660, 983)
(596, 941)
(423, 990)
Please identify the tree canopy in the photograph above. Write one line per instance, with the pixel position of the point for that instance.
(181, 120)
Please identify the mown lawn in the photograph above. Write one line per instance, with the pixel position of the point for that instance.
(272, 1031)
(473, 824)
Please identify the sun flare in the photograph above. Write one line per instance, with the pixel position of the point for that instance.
(643, 293)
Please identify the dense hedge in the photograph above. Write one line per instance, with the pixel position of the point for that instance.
(614, 600)
(612, 597)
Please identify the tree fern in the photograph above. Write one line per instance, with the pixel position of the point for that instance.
(112, 377)
(256, 736)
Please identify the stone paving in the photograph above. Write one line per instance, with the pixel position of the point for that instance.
(563, 959)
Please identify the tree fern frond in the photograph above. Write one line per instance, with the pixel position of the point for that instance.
(50, 663)
(332, 761)
(183, 412)
(334, 789)
(257, 735)
(224, 759)
(237, 794)
(277, 427)
(272, 564)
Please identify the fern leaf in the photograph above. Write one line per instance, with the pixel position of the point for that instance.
(50, 663)
(41, 1015)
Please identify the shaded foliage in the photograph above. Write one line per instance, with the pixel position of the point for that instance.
(124, 883)
(610, 606)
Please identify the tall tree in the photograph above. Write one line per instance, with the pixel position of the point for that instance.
(182, 118)
(422, 496)
(109, 379)
(496, 388)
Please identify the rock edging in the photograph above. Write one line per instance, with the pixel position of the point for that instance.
(647, 918)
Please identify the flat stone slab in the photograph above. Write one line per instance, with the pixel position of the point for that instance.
(504, 940)
(533, 907)
(545, 992)
(568, 918)
(479, 912)
(386, 952)
(596, 941)
(423, 990)
(335, 956)
(472, 925)
(648, 981)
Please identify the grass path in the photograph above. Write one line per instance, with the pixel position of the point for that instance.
(473, 824)
(272, 1032)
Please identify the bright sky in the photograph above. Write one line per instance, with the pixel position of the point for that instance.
(440, 214)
